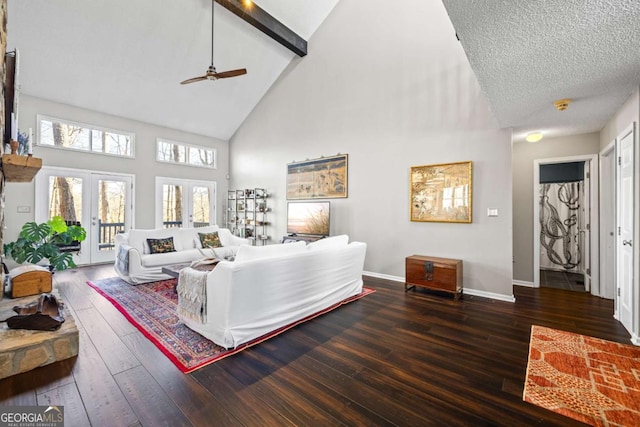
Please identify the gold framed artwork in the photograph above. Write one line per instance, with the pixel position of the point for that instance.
(323, 178)
(442, 193)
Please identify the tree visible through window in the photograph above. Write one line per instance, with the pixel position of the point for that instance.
(172, 205)
(77, 136)
(65, 197)
(185, 154)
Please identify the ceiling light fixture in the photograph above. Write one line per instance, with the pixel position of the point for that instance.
(562, 104)
(534, 136)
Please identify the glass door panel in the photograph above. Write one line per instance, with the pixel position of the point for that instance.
(109, 214)
(65, 198)
(200, 206)
(172, 209)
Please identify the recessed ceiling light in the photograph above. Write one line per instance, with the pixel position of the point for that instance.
(534, 136)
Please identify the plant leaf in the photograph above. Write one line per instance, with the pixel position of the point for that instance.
(35, 232)
(58, 225)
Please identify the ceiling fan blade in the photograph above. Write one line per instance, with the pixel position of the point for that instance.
(232, 73)
(193, 80)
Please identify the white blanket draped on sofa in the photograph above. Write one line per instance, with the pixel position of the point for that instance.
(192, 295)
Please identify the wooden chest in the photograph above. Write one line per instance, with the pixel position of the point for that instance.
(30, 283)
(441, 274)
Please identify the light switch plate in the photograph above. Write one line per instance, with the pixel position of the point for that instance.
(492, 211)
(24, 209)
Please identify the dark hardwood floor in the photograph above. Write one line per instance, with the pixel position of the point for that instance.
(391, 358)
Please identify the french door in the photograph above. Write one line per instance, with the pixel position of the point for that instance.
(185, 203)
(99, 202)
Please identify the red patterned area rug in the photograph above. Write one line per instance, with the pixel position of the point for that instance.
(589, 379)
(151, 307)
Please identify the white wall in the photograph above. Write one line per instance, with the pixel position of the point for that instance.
(391, 87)
(524, 154)
(144, 166)
(628, 113)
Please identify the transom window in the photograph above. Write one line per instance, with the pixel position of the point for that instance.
(185, 154)
(70, 135)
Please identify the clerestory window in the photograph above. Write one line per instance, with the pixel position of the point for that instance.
(70, 135)
(185, 154)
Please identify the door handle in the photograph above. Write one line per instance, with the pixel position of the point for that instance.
(627, 242)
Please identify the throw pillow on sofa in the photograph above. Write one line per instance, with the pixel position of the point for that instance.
(161, 246)
(210, 240)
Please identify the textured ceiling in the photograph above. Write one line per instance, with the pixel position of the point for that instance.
(528, 53)
(127, 58)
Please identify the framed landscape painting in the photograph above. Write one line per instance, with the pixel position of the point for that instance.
(323, 178)
(442, 193)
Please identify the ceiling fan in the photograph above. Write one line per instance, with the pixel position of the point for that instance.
(212, 74)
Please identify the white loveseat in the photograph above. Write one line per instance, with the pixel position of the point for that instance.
(135, 264)
(268, 287)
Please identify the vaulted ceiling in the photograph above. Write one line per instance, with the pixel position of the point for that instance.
(127, 58)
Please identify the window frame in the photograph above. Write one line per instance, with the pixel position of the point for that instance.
(91, 127)
(187, 147)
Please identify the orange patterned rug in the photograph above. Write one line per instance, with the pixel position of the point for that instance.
(589, 379)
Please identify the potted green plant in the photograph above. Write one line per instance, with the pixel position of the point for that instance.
(37, 242)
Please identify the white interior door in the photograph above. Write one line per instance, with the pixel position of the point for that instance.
(185, 203)
(83, 196)
(624, 244)
(607, 223)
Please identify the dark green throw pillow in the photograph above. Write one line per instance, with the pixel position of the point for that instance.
(210, 240)
(161, 246)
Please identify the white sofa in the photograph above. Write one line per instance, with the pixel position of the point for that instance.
(268, 287)
(135, 264)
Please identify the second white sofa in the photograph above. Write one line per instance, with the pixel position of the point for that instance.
(136, 264)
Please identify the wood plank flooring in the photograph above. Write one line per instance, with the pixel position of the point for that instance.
(391, 358)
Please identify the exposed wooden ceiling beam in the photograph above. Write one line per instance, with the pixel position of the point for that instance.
(266, 23)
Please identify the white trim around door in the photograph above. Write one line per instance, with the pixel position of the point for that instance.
(88, 209)
(594, 263)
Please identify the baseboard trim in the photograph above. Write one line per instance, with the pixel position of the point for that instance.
(491, 295)
(468, 291)
(383, 276)
(523, 283)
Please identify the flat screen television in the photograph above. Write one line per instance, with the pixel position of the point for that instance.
(308, 218)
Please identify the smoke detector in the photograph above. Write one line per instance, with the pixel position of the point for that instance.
(562, 104)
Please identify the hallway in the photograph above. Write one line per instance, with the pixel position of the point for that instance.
(561, 280)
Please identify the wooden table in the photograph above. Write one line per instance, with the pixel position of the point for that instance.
(174, 270)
